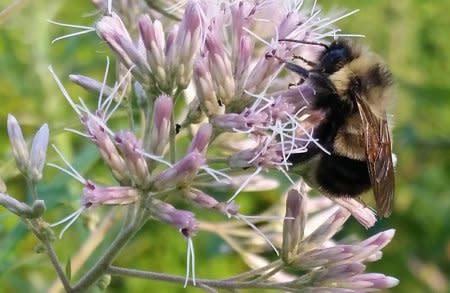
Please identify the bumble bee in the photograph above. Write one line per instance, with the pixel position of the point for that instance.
(352, 89)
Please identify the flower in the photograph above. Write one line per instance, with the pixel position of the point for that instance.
(225, 59)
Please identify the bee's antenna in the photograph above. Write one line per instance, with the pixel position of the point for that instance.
(304, 42)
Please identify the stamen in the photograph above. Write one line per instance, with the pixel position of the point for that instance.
(105, 108)
(78, 132)
(258, 231)
(71, 218)
(190, 262)
(64, 92)
(335, 20)
(244, 184)
(153, 157)
(105, 76)
(74, 173)
(85, 30)
(213, 173)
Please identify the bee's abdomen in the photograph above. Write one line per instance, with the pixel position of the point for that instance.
(341, 176)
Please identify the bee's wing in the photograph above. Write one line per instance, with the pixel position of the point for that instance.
(379, 157)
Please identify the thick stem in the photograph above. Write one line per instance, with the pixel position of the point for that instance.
(58, 268)
(131, 225)
(34, 227)
(32, 189)
(87, 248)
(224, 284)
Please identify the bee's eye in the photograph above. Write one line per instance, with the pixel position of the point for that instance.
(334, 59)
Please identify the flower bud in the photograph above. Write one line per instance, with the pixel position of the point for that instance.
(94, 194)
(90, 84)
(294, 224)
(201, 139)
(136, 163)
(152, 35)
(18, 144)
(183, 221)
(112, 30)
(219, 67)
(326, 230)
(160, 131)
(97, 130)
(186, 45)
(181, 173)
(38, 153)
(205, 89)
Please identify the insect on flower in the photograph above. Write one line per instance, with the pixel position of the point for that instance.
(351, 87)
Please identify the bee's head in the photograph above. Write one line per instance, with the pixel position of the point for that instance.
(336, 56)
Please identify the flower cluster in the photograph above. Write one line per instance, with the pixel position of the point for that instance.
(222, 61)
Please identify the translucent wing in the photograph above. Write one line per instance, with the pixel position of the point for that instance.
(379, 157)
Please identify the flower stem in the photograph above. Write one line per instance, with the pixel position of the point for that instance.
(132, 223)
(224, 284)
(34, 225)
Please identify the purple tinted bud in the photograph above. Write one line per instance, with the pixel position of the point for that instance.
(111, 29)
(136, 163)
(181, 173)
(38, 153)
(380, 240)
(97, 130)
(114, 195)
(294, 224)
(153, 37)
(187, 43)
(219, 67)
(201, 139)
(161, 124)
(183, 221)
(90, 84)
(368, 282)
(208, 202)
(341, 271)
(205, 89)
(325, 256)
(242, 62)
(18, 144)
(325, 231)
(200, 198)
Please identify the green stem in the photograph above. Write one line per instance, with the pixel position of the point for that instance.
(32, 189)
(250, 274)
(224, 284)
(57, 265)
(133, 221)
(34, 226)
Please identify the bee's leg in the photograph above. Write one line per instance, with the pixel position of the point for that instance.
(295, 84)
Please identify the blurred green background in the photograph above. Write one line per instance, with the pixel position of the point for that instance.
(412, 35)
